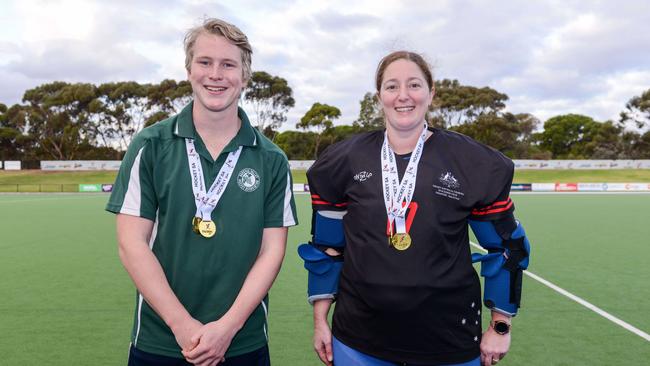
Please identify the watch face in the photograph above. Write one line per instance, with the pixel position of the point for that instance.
(501, 327)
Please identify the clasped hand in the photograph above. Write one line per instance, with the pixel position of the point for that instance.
(205, 344)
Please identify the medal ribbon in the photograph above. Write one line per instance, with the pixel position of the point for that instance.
(207, 201)
(413, 208)
(398, 195)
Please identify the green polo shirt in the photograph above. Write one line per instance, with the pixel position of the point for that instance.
(205, 274)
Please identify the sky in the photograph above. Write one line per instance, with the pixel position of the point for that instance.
(550, 57)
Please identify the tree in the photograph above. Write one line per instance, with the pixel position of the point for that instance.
(643, 147)
(166, 99)
(297, 145)
(8, 135)
(605, 142)
(57, 118)
(371, 116)
(271, 97)
(121, 110)
(15, 142)
(512, 134)
(637, 110)
(319, 116)
(634, 145)
(493, 130)
(455, 104)
(270, 133)
(570, 136)
(337, 134)
(526, 146)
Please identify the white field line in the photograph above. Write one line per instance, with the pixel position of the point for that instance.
(581, 301)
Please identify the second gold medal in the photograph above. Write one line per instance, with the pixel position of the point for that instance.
(401, 241)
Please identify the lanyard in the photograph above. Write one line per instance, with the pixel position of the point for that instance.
(398, 195)
(207, 201)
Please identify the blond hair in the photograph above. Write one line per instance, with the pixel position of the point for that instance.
(224, 29)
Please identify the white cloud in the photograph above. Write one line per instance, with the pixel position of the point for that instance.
(17, 85)
(59, 19)
(550, 57)
(72, 60)
(613, 92)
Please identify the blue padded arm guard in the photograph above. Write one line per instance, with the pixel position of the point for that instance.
(502, 268)
(324, 270)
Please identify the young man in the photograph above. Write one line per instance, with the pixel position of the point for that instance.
(203, 202)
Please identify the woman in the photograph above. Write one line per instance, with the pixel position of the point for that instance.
(391, 210)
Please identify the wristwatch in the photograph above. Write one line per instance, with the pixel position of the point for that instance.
(500, 327)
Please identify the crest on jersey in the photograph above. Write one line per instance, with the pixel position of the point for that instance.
(248, 180)
(448, 180)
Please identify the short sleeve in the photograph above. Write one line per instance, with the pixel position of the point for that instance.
(279, 204)
(496, 202)
(133, 192)
(327, 179)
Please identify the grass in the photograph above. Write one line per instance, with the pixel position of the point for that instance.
(594, 246)
(56, 177)
(9, 179)
(582, 176)
(66, 300)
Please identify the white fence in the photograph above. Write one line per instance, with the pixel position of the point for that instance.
(300, 164)
(115, 164)
(12, 165)
(581, 164)
(542, 164)
(305, 164)
(80, 164)
(582, 187)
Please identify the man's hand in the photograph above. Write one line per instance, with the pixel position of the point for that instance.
(211, 343)
(184, 332)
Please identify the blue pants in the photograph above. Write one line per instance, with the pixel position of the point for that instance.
(258, 357)
(346, 356)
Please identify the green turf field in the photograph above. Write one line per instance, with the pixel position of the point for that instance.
(66, 300)
(29, 180)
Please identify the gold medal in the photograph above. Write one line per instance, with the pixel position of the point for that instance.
(401, 241)
(207, 229)
(195, 224)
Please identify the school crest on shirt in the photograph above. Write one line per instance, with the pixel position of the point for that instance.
(248, 180)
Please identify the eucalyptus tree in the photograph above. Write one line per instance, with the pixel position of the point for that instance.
(456, 104)
(371, 116)
(637, 110)
(270, 97)
(57, 117)
(320, 117)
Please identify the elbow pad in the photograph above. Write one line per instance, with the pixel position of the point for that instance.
(324, 270)
(502, 268)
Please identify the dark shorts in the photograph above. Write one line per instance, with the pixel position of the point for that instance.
(258, 357)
